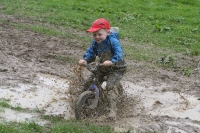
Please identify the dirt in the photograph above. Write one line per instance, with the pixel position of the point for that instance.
(36, 72)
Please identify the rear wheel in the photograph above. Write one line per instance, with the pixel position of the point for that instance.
(83, 108)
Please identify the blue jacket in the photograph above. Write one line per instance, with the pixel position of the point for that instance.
(111, 43)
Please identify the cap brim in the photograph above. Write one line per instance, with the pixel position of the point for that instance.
(93, 29)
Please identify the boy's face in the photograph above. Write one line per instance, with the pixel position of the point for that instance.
(100, 35)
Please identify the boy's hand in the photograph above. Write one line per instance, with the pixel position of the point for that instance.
(82, 61)
(107, 63)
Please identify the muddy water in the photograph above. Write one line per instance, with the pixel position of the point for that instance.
(51, 95)
(158, 102)
(160, 110)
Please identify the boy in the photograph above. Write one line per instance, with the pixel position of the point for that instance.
(109, 50)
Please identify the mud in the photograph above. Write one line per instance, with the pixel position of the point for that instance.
(36, 73)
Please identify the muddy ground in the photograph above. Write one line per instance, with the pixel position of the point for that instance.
(156, 99)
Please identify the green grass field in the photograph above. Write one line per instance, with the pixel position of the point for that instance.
(149, 29)
(60, 126)
(169, 26)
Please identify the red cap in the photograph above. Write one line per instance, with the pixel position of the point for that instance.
(98, 24)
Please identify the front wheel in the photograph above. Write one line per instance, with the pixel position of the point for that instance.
(83, 107)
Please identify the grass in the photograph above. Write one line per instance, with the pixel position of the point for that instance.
(61, 125)
(4, 104)
(77, 127)
(171, 26)
(14, 127)
(70, 126)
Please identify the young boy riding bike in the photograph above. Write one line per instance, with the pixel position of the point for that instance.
(107, 47)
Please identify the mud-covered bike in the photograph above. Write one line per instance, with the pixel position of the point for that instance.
(87, 105)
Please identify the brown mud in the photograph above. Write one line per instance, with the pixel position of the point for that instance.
(156, 99)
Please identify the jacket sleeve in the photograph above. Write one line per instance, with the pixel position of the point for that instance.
(117, 50)
(90, 54)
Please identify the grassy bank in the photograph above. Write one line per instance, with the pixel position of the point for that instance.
(58, 126)
(154, 26)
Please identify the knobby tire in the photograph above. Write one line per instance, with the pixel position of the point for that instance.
(81, 110)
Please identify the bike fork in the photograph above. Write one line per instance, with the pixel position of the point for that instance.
(95, 103)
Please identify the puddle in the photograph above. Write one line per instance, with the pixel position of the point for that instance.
(50, 95)
(175, 130)
(158, 103)
(11, 115)
(152, 101)
(186, 123)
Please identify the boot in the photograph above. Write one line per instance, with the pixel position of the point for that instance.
(113, 108)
